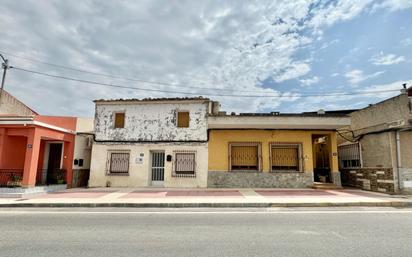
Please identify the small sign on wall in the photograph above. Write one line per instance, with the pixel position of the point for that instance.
(140, 159)
(29, 146)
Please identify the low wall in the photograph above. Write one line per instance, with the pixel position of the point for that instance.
(405, 175)
(221, 179)
(371, 178)
(80, 177)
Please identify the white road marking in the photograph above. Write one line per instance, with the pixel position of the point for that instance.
(210, 212)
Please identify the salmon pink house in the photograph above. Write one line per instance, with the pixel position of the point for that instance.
(36, 150)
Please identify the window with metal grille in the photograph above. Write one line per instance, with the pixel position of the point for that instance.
(119, 120)
(183, 119)
(349, 156)
(285, 157)
(185, 164)
(119, 163)
(244, 156)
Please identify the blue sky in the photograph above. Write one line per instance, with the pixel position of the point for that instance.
(210, 48)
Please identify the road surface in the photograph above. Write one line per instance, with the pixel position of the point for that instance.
(206, 232)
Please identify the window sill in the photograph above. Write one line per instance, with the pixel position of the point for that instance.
(286, 171)
(183, 175)
(245, 171)
(117, 174)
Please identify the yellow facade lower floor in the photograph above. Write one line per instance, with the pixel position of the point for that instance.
(303, 151)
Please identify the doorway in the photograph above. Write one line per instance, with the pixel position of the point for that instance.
(158, 168)
(54, 163)
(321, 158)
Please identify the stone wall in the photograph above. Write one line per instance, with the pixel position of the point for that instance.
(219, 179)
(371, 179)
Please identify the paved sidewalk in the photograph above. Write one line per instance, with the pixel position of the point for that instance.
(165, 197)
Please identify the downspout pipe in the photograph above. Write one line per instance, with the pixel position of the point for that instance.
(398, 157)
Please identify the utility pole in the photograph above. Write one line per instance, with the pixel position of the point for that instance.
(5, 66)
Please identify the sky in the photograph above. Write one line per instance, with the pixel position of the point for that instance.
(251, 56)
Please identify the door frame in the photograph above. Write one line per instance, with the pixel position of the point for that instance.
(156, 182)
(45, 166)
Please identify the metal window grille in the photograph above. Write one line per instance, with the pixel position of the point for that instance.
(119, 163)
(158, 166)
(244, 156)
(285, 157)
(185, 165)
(349, 156)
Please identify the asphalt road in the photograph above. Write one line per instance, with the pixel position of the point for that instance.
(209, 232)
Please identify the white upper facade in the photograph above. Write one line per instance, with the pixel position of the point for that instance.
(151, 120)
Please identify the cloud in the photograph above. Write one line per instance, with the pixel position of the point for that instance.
(386, 59)
(357, 76)
(406, 41)
(309, 81)
(228, 45)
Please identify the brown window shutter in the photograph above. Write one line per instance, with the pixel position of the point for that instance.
(183, 119)
(119, 120)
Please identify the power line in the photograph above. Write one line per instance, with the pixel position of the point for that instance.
(206, 94)
(119, 77)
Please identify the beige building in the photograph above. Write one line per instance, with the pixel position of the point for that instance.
(12, 106)
(82, 151)
(375, 152)
(151, 142)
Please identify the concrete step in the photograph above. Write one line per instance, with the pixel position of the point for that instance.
(319, 185)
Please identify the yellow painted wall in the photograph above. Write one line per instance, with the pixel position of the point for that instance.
(219, 146)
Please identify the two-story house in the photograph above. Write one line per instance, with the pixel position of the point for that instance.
(151, 142)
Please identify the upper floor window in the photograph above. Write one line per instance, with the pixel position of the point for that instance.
(119, 118)
(183, 119)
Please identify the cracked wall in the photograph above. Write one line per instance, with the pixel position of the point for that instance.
(151, 122)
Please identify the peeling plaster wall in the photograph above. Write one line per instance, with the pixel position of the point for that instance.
(151, 122)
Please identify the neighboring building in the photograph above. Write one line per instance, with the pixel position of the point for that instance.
(273, 149)
(12, 106)
(151, 142)
(376, 149)
(37, 149)
(82, 151)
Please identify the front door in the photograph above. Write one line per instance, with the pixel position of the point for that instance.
(158, 168)
(53, 165)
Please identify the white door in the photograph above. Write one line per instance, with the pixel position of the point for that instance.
(158, 168)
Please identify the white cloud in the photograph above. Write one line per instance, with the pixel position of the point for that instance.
(396, 86)
(406, 41)
(357, 76)
(309, 81)
(386, 59)
(230, 45)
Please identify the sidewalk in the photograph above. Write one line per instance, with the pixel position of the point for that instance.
(175, 198)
